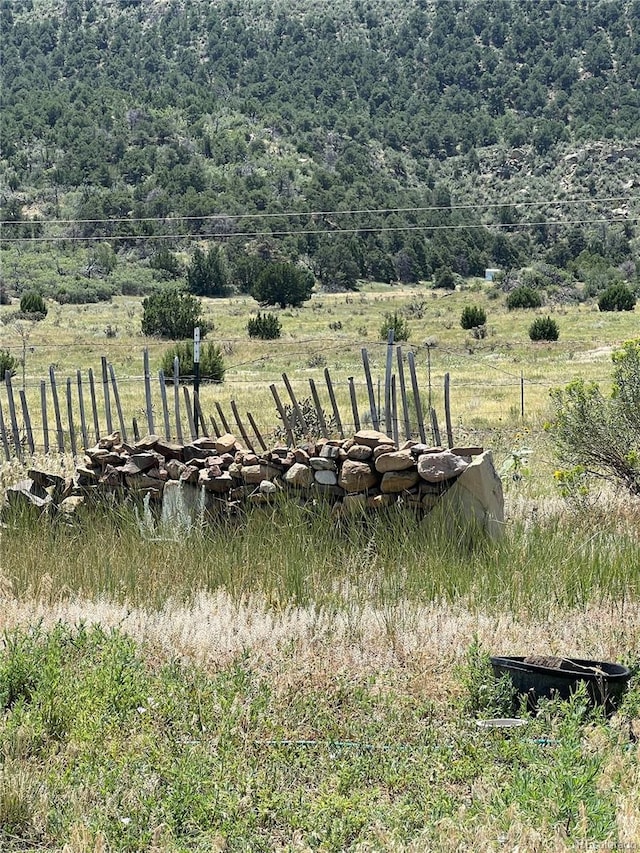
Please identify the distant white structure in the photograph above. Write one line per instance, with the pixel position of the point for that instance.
(490, 274)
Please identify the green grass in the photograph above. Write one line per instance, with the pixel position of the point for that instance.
(100, 750)
(300, 555)
(330, 331)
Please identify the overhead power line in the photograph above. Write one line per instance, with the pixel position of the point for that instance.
(367, 229)
(291, 214)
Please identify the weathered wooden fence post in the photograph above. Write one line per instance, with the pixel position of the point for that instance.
(83, 423)
(72, 431)
(56, 409)
(5, 441)
(27, 421)
(372, 400)
(416, 396)
(283, 415)
(107, 398)
(334, 405)
(45, 422)
(94, 405)
(147, 392)
(403, 395)
(354, 404)
(447, 408)
(176, 397)
(165, 405)
(116, 397)
(387, 384)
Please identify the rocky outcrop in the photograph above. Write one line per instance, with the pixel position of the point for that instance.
(364, 473)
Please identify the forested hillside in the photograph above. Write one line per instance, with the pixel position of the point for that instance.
(374, 139)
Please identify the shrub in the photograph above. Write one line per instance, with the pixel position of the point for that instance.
(165, 265)
(169, 313)
(265, 326)
(617, 297)
(211, 361)
(472, 317)
(282, 284)
(81, 294)
(394, 322)
(312, 422)
(602, 434)
(444, 279)
(32, 303)
(523, 297)
(544, 329)
(8, 362)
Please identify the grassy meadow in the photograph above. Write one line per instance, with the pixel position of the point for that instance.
(285, 682)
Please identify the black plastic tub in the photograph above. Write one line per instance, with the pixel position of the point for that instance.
(536, 678)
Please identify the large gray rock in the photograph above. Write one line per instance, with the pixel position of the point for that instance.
(476, 498)
(357, 476)
(438, 467)
(326, 478)
(320, 464)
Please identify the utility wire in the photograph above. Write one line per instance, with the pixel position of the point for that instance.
(313, 213)
(520, 226)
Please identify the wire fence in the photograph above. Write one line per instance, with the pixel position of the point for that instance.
(396, 390)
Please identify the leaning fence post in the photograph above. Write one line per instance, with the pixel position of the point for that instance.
(147, 392)
(165, 405)
(294, 402)
(83, 423)
(434, 427)
(187, 402)
(283, 415)
(403, 395)
(116, 397)
(45, 423)
(447, 408)
(416, 396)
(387, 383)
(243, 432)
(94, 405)
(3, 431)
(354, 404)
(334, 405)
(197, 414)
(27, 421)
(394, 410)
(223, 420)
(319, 412)
(176, 396)
(107, 399)
(72, 431)
(15, 431)
(254, 427)
(56, 409)
(372, 399)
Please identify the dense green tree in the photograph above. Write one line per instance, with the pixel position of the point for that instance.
(208, 274)
(283, 284)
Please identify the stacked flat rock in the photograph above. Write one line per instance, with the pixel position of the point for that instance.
(366, 471)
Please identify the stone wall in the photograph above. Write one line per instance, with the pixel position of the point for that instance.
(364, 473)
